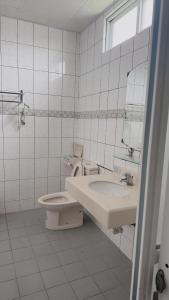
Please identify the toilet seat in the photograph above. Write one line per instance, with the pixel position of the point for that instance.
(57, 201)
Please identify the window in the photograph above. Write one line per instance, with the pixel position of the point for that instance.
(124, 27)
(130, 17)
(147, 13)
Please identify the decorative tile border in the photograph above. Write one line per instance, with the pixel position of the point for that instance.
(136, 116)
(39, 113)
(102, 114)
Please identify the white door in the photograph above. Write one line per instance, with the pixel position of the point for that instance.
(154, 156)
(164, 224)
(164, 252)
(163, 227)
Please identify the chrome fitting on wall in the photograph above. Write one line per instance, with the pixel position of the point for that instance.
(118, 229)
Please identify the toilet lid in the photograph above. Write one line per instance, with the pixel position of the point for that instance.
(77, 170)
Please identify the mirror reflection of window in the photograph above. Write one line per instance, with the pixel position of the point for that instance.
(135, 106)
(137, 86)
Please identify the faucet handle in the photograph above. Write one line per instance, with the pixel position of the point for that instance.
(128, 179)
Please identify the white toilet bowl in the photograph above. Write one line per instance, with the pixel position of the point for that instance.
(63, 211)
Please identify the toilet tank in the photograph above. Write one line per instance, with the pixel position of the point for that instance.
(91, 169)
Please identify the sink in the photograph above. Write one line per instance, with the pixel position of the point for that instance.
(109, 188)
(110, 202)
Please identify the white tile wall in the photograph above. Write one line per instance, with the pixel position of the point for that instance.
(41, 61)
(102, 87)
(25, 33)
(60, 70)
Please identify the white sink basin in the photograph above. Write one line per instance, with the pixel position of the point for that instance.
(109, 188)
(110, 202)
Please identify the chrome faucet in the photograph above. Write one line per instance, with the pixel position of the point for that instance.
(128, 179)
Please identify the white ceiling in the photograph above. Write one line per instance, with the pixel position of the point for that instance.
(72, 15)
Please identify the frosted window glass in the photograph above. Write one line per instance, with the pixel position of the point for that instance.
(125, 27)
(147, 14)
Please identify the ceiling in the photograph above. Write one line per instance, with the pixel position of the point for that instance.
(72, 15)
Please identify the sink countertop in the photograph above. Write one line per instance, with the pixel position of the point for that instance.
(109, 210)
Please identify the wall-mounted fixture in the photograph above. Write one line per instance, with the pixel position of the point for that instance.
(22, 113)
(19, 94)
(129, 148)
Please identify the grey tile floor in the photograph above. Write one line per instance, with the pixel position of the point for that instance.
(76, 264)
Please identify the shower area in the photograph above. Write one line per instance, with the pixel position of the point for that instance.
(38, 68)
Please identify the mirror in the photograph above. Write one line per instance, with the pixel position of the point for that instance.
(137, 87)
(135, 107)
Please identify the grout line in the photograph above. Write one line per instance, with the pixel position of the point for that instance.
(61, 133)
(2, 123)
(34, 139)
(19, 128)
(48, 121)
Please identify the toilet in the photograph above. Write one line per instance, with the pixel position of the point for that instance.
(63, 211)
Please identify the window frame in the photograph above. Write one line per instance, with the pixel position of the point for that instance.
(120, 10)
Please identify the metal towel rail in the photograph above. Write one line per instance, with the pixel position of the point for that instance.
(20, 94)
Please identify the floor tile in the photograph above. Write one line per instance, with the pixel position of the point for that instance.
(63, 292)
(85, 288)
(15, 224)
(117, 293)
(54, 235)
(16, 233)
(68, 256)
(50, 262)
(78, 241)
(124, 276)
(21, 242)
(53, 277)
(3, 223)
(95, 265)
(26, 267)
(9, 290)
(34, 230)
(38, 239)
(42, 249)
(38, 254)
(30, 284)
(14, 217)
(114, 259)
(61, 245)
(5, 246)
(99, 297)
(36, 296)
(7, 272)
(3, 226)
(29, 221)
(88, 252)
(75, 271)
(6, 258)
(4, 235)
(22, 254)
(106, 280)
(104, 248)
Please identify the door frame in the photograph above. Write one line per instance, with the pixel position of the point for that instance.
(153, 155)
